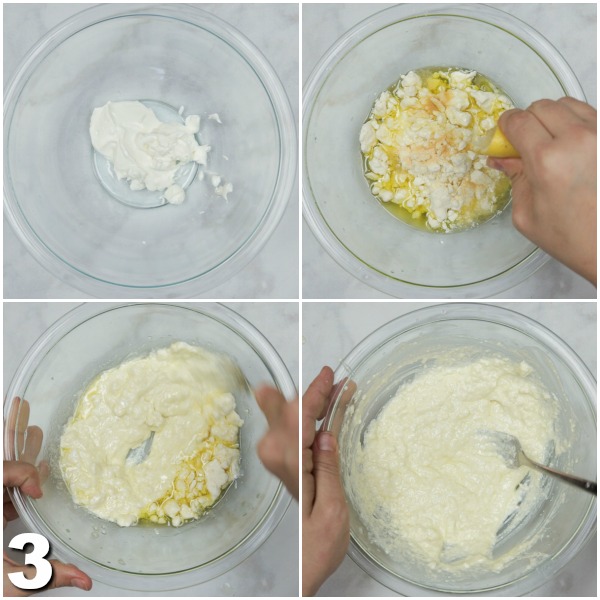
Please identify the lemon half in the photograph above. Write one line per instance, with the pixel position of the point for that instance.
(500, 147)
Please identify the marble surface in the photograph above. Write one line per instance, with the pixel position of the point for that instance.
(332, 330)
(273, 273)
(270, 571)
(323, 24)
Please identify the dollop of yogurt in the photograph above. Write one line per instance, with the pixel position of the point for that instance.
(179, 396)
(144, 150)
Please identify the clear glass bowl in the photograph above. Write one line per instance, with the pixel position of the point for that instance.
(172, 56)
(372, 373)
(51, 378)
(353, 227)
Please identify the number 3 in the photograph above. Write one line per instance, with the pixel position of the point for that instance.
(43, 569)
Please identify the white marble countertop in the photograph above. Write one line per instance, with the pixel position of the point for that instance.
(323, 24)
(270, 571)
(273, 273)
(331, 330)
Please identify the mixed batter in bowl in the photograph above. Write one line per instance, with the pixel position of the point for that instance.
(434, 507)
(155, 439)
(428, 480)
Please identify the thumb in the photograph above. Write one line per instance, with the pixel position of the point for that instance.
(23, 475)
(326, 469)
(65, 575)
(510, 166)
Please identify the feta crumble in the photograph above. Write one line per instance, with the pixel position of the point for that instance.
(420, 148)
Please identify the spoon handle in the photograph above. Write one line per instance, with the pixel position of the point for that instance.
(584, 484)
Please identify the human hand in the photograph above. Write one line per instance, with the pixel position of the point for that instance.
(554, 181)
(278, 448)
(27, 478)
(24, 475)
(325, 520)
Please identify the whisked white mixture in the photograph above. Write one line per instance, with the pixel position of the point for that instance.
(426, 483)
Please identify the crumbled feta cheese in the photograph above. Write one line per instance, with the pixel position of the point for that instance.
(381, 107)
(224, 190)
(367, 137)
(460, 79)
(174, 194)
(485, 100)
(458, 99)
(419, 148)
(487, 124)
(456, 117)
(379, 162)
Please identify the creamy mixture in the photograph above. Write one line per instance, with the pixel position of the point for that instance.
(420, 145)
(429, 483)
(147, 152)
(176, 392)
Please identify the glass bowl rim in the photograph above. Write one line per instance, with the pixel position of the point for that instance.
(166, 581)
(286, 134)
(489, 314)
(319, 227)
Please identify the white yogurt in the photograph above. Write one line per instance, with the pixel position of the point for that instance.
(144, 150)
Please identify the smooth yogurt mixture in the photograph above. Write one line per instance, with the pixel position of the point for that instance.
(427, 482)
(421, 146)
(177, 393)
(148, 153)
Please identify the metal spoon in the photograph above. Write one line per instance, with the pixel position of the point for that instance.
(509, 448)
(140, 453)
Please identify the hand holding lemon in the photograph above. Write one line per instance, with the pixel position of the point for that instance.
(500, 147)
(553, 177)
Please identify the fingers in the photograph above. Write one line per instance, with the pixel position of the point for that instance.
(271, 402)
(67, 575)
(556, 116)
(280, 457)
(44, 471)
(583, 110)
(308, 482)
(543, 121)
(24, 476)
(343, 392)
(10, 512)
(62, 576)
(316, 398)
(17, 421)
(278, 448)
(328, 485)
(511, 166)
(32, 444)
(524, 130)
